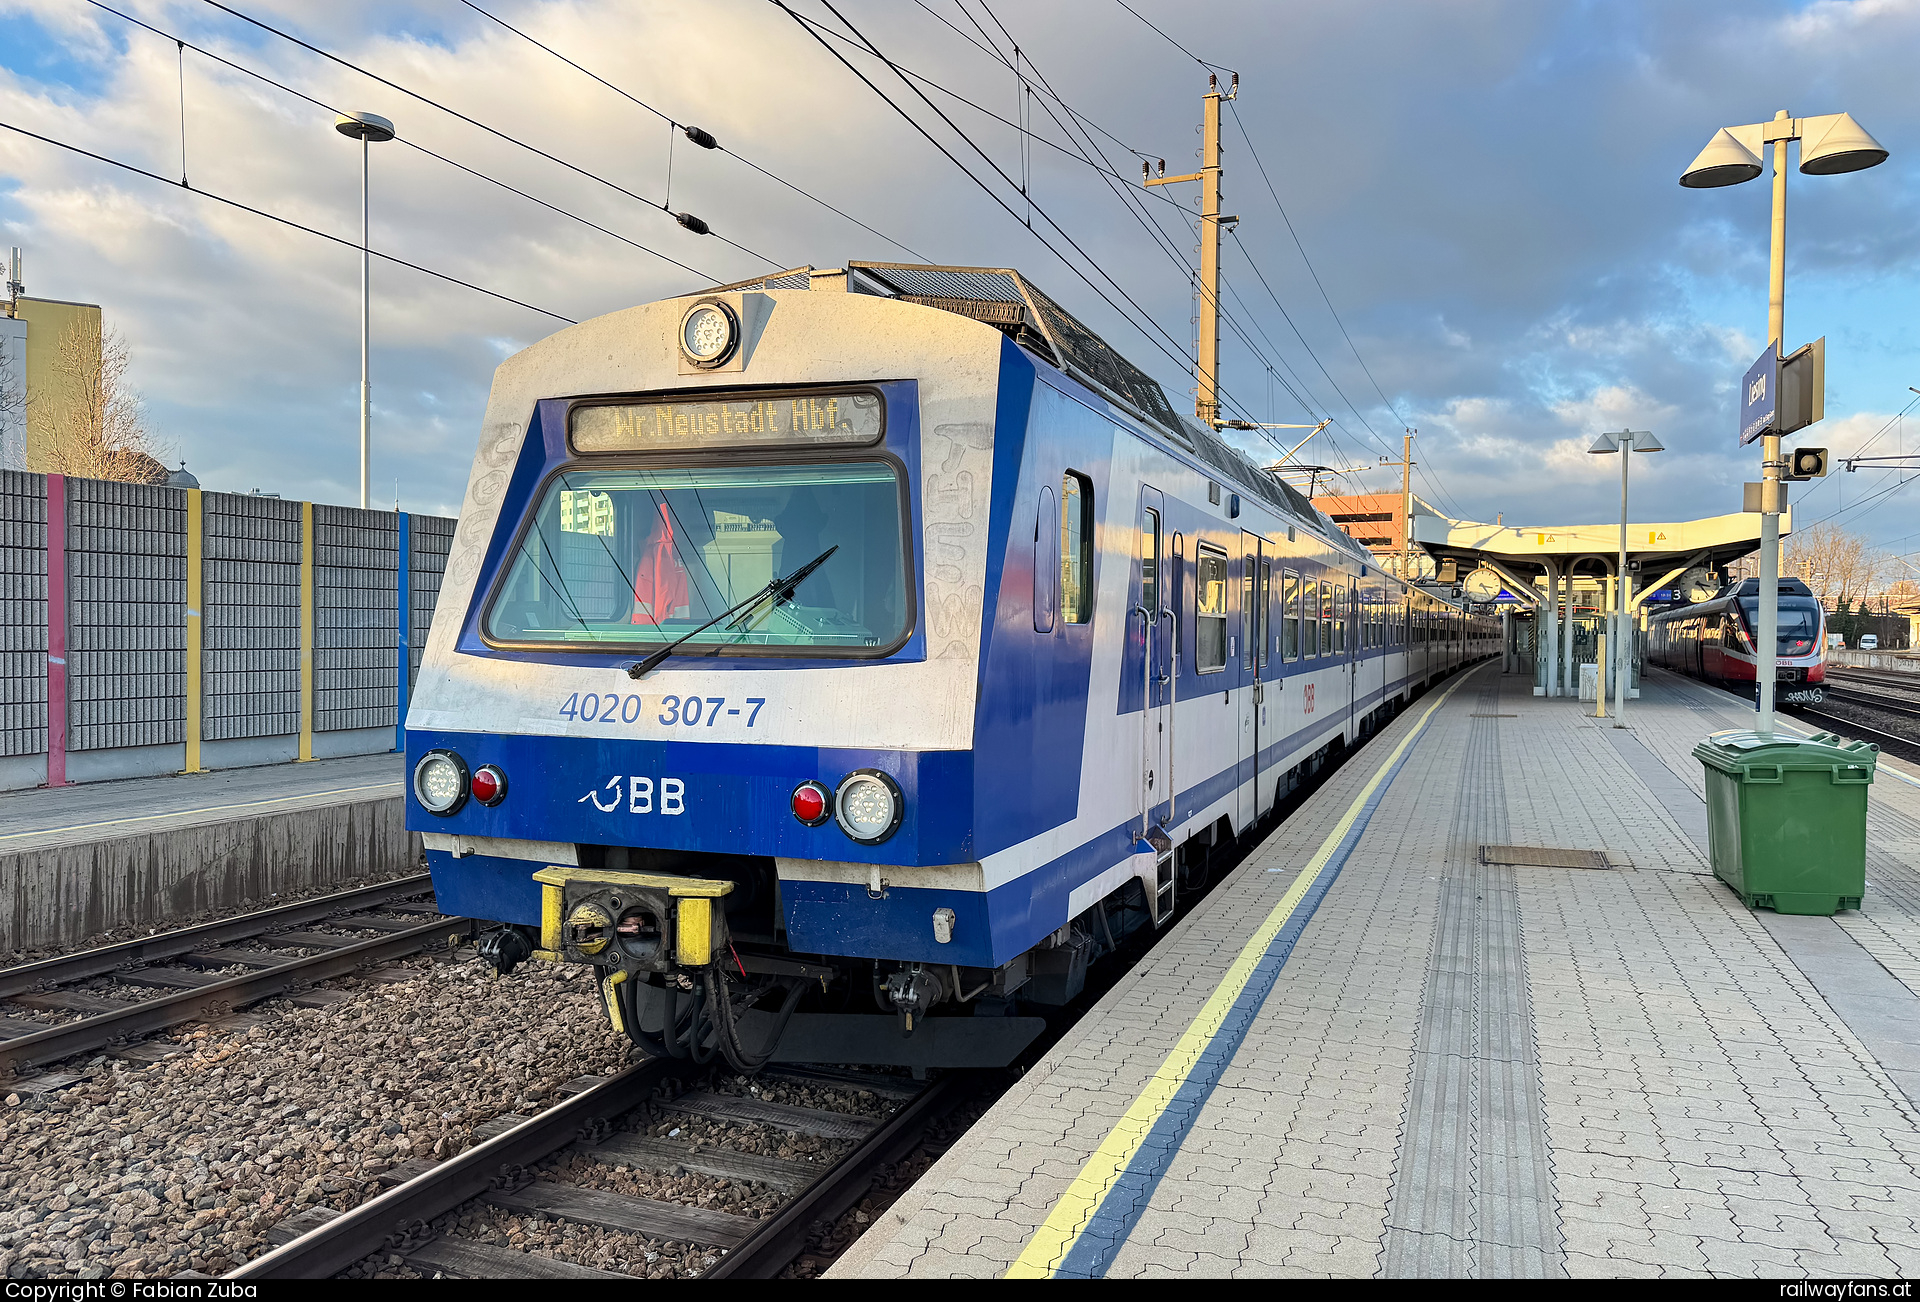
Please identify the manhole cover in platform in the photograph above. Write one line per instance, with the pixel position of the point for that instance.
(1541, 856)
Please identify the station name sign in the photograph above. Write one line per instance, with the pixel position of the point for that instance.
(787, 420)
(1760, 397)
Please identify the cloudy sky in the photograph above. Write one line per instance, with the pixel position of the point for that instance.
(1485, 189)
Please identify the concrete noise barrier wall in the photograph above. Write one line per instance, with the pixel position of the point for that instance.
(57, 896)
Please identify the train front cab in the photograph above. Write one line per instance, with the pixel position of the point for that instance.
(1715, 641)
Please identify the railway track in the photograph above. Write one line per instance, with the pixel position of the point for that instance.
(209, 970)
(1908, 707)
(1903, 682)
(1891, 741)
(498, 1171)
(1897, 694)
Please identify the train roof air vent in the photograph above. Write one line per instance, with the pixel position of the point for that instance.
(1004, 298)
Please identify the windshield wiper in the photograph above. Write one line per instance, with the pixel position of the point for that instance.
(781, 590)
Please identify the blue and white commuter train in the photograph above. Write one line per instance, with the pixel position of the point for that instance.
(837, 663)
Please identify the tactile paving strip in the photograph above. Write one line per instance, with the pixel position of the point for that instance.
(1473, 1190)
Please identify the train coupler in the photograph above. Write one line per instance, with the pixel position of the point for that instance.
(630, 922)
(913, 991)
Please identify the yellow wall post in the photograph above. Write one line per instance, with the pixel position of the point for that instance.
(306, 631)
(196, 596)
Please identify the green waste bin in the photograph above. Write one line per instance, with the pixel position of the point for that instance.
(1787, 818)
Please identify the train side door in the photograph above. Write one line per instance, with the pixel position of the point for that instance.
(1345, 636)
(1156, 621)
(1244, 653)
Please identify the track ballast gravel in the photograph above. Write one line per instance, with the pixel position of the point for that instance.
(144, 1171)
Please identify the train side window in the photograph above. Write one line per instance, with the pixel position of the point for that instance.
(1261, 601)
(1150, 561)
(1329, 617)
(1310, 625)
(1210, 611)
(1249, 599)
(1344, 604)
(1174, 572)
(1046, 572)
(1076, 548)
(1290, 616)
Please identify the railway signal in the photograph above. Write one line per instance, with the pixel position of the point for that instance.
(1807, 463)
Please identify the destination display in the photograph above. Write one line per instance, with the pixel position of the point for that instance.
(791, 420)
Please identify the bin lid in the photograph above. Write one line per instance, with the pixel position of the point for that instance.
(1737, 751)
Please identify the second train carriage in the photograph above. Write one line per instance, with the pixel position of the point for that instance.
(1716, 640)
(820, 657)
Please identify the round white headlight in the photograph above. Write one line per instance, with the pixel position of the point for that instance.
(868, 806)
(708, 333)
(440, 782)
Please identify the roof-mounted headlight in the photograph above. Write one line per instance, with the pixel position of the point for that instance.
(709, 333)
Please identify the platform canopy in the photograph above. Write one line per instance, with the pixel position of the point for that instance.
(1528, 552)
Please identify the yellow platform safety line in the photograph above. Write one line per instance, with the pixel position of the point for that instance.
(306, 631)
(1071, 1214)
(196, 597)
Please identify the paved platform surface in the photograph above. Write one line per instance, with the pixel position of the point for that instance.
(1454, 1069)
(92, 811)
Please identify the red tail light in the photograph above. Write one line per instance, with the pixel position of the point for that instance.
(488, 784)
(812, 803)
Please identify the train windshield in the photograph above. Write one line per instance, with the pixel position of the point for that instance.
(645, 556)
(1799, 622)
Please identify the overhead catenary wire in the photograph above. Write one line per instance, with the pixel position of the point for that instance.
(1434, 480)
(678, 125)
(1226, 314)
(1881, 489)
(1036, 137)
(703, 227)
(1174, 352)
(402, 139)
(1130, 195)
(284, 221)
(1274, 193)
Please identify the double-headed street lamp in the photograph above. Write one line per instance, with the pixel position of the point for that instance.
(1626, 443)
(1830, 144)
(368, 129)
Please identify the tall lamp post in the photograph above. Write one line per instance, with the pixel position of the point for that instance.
(368, 129)
(1830, 144)
(1626, 443)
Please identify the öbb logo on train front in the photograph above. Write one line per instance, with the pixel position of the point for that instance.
(637, 794)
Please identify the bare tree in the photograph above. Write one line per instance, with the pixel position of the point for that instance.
(13, 388)
(1837, 565)
(98, 426)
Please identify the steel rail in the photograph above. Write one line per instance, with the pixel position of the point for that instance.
(1907, 707)
(776, 1241)
(328, 1249)
(58, 1042)
(1844, 726)
(1906, 682)
(168, 944)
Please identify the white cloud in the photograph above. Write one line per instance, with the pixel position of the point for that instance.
(1507, 311)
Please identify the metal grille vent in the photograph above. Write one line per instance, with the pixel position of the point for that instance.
(1004, 298)
(1536, 856)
